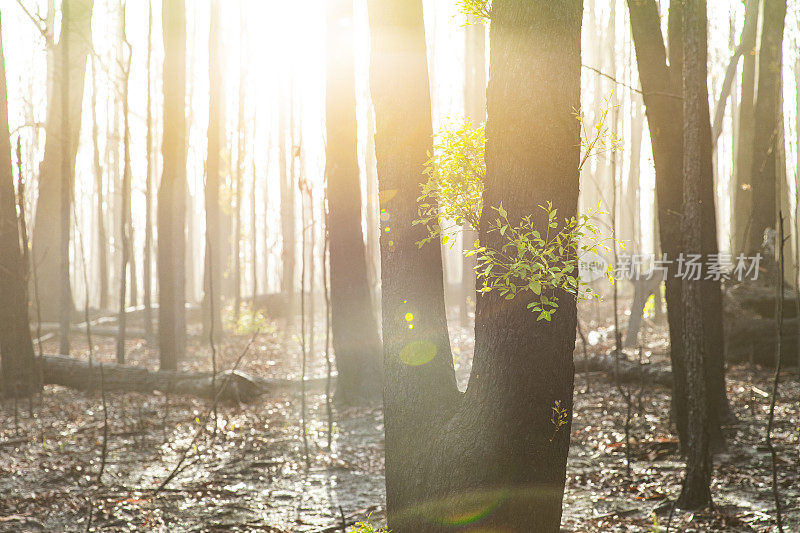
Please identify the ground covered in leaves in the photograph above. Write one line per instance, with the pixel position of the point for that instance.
(251, 473)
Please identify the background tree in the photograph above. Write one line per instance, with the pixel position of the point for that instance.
(171, 193)
(214, 243)
(766, 132)
(356, 341)
(20, 377)
(60, 149)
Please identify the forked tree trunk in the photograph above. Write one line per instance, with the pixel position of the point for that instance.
(697, 171)
(76, 37)
(662, 88)
(509, 458)
(356, 341)
(172, 191)
(20, 377)
(766, 134)
(214, 244)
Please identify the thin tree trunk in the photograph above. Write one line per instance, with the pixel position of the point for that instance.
(125, 211)
(147, 273)
(240, 162)
(102, 240)
(746, 43)
(356, 341)
(214, 243)
(288, 274)
(697, 169)
(764, 174)
(172, 191)
(16, 349)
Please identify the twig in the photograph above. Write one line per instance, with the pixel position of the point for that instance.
(304, 190)
(328, 363)
(776, 378)
(105, 426)
(203, 428)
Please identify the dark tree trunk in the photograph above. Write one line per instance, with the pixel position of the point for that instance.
(766, 134)
(697, 172)
(498, 434)
(356, 341)
(20, 377)
(662, 88)
(212, 283)
(172, 191)
(76, 37)
(743, 163)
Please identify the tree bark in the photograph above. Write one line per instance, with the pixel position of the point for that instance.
(697, 170)
(147, 272)
(662, 88)
(212, 281)
(766, 134)
(172, 191)
(746, 43)
(76, 37)
(19, 369)
(493, 450)
(288, 250)
(743, 163)
(356, 342)
(102, 240)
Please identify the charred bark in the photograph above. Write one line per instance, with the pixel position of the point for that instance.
(20, 377)
(499, 434)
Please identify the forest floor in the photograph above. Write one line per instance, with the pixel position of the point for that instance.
(252, 476)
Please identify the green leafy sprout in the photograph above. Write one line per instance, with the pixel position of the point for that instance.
(539, 261)
(481, 9)
(366, 527)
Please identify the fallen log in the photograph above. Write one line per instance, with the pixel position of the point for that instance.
(628, 371)
(77, 374)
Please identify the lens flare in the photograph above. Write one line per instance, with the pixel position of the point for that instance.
(418, 353)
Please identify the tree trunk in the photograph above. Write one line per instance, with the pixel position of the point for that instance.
(212, 284)
(76, 37)
(19, 369)
(240, 161)
(356, 341)
(126, 239)
(697, 171)
(172, 191)
(499, 434)
(743, 163)
(147, 273)
(102, 240)
(746, 43)
(288, 274)
(662, 88)
(766, 137)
